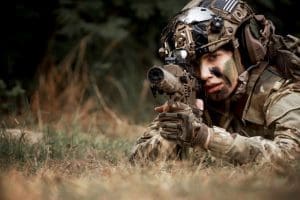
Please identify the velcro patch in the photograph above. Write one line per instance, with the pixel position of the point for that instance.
(283, 107)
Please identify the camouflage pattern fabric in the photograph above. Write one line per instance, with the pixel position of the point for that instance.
(274, 139)
(282, 111)
(151, 146)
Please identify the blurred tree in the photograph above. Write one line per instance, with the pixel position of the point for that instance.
(121, 42)
(27, 39)
(117, 40)
(23, 45)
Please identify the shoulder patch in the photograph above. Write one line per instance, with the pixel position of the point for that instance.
(283, 107)
(259, 91)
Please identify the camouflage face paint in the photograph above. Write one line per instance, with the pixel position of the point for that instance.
(216, 71)
(230, 71)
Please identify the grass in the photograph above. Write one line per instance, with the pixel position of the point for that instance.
(16, 147)
(77, 165)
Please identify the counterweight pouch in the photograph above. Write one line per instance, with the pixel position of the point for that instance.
(284, 53)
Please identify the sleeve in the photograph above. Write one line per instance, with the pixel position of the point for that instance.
(151, 146)
(283, 114)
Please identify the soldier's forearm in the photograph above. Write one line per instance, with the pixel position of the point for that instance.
(240, 149)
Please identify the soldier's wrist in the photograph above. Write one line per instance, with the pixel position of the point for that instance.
(202, 136)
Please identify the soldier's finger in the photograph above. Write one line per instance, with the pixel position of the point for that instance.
(168, 135)
(167, 114)
(170, 125)
(199, 104)
(177, 106)
(171, 130)
(162, 108)
(169, 120)
(171, 116)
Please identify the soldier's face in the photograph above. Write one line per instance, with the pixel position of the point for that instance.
(219, 73)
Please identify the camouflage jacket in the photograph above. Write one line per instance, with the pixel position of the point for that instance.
(262, 126)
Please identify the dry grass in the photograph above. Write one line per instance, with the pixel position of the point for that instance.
(86, 166)
(164, 181)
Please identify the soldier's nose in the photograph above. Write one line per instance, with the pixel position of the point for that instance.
(205, 73)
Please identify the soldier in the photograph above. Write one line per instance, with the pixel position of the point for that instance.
(251, 88)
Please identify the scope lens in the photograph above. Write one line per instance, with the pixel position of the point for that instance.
(155, 75)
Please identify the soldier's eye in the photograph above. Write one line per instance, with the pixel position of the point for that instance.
(216, 71)
(212, 57)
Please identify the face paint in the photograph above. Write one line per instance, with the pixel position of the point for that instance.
(230, 71)
(219, 74)
(215, 71)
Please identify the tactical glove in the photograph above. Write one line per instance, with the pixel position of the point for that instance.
(183, 127)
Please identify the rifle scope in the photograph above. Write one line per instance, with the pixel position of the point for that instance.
(164, 80)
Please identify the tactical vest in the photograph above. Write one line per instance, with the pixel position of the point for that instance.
(284, 52)
(263, 81)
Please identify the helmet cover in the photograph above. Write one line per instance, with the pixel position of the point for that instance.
(203, 26)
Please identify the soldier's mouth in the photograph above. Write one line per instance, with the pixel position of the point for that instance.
(213, 88)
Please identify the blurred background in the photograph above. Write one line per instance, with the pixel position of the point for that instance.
(74, 58)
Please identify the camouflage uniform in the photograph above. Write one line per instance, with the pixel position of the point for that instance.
(260, 122)
(261, 126)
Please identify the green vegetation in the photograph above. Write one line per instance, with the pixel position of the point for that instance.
(18, 148)
(115, 41)
(76, 165)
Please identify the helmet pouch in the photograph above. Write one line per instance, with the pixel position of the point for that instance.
(255, 48)
(257, 36)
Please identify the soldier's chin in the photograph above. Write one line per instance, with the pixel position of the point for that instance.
(219, 96)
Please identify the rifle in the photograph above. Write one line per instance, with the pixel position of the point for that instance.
(176, 81)
(179, 84)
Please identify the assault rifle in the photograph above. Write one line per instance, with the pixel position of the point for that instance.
(179, 83)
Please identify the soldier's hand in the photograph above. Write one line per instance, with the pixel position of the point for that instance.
(176, 127)
(181, 125)
(162, 108)
(166, 107)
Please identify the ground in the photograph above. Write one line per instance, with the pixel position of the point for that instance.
(73, 164)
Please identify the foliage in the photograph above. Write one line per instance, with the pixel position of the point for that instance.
(11, 96)
(60, 146)
(117, 41)
(121, 43)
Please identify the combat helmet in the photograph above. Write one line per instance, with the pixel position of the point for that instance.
(203, 26)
